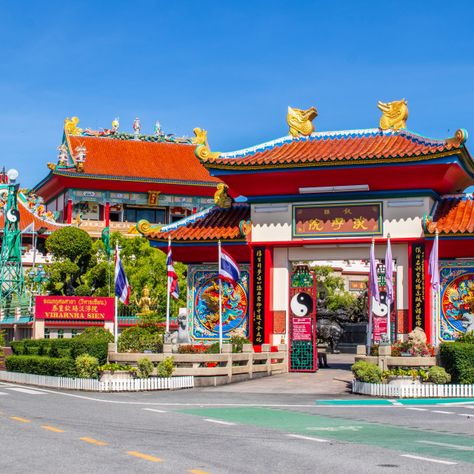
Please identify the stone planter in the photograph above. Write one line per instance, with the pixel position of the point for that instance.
(115, 375)
(403, 380)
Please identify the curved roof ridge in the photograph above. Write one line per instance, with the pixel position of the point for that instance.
(457, 196)
(188, 220)
(367, 132)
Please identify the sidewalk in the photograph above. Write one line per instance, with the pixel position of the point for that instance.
(333, 381)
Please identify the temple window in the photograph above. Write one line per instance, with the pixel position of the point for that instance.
(136, 214)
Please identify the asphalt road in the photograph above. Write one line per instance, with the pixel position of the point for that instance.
(219, 431)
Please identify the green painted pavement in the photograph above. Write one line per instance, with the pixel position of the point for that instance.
(391, 401)
(406, 440)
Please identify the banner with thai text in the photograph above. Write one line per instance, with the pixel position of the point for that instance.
(76, 308)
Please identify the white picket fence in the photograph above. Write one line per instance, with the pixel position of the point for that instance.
(93, 385)
(425, 390)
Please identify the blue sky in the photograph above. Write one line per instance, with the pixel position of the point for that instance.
(229, 67)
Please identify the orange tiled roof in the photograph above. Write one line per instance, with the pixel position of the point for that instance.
(27, 218)
(328, 147)
(453, 214)
(213, 223)
(114, 158)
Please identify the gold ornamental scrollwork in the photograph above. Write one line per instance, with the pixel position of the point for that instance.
(202, 150)
(70, 126)
(301, 121)
(394, 114)
(143, 226)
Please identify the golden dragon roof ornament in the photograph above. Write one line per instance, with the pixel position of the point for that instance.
(300, 121)
(394, 114)
(202, 150)
(70, 126)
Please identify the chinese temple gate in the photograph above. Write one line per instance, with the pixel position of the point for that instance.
(325, 196)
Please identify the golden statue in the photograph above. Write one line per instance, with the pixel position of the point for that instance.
(51, 166)
(300, 121)
(221, 198)
(70, 126)
(394, 114)
(202, 150)
(144, 302)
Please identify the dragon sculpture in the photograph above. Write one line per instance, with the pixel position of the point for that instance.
(394, 114)
(221, 196)
(202, 150)
(300, 121)
(70, 126)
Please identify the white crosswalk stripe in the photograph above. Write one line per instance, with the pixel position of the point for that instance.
(3, 393)
(25, 390)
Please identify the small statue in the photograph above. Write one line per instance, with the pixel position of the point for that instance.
(417, 336)
(394, 114)
(62, 156)
(80, 157)
(70, 126)
(300, 121)
(221, 198)
(136, 126)
(202, 150)
(144, 302)
(115, 124)
(158, 130)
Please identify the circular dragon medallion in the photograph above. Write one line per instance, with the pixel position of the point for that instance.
(457, 302)
(234, 305)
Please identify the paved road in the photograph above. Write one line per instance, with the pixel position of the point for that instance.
(220, 431)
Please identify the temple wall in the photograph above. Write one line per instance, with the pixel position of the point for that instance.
(402, 218)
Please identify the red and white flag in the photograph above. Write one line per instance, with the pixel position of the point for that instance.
(173, 288)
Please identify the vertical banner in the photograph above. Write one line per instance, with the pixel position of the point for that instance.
(418, 285)
(258, 265)
(303, 343)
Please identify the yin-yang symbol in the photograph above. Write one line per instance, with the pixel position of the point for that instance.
(301, 304)
(13, 215)
(380, 308)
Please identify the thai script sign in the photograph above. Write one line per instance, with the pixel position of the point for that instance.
(418, 284)
(76, 308)
(258, 294)
(325, 220)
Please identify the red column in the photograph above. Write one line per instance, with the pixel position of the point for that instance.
(69, 211)
(268, 328)
(107, 214)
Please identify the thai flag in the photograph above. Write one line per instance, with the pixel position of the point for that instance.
(228, 268)
(122, 288)
(173, 287)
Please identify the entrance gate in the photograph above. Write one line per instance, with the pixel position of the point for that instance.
(303, 348)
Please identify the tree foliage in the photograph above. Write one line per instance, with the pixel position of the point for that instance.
(336, 295)
(83, 268)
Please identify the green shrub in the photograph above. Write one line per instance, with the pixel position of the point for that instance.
(467, 338)
(165, 368)
(367, 372)
(41, 365)
(213, 348)
(438, 375)
(139, 339)
(2, 342)
(238, 343)
(458, 360)
(114, 367)
(87, 367)
(145, 367)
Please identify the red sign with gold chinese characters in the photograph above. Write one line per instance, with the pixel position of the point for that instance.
(78, 308)
(326, 220)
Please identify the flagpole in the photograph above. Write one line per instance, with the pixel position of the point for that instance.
(116, 306)
(220, 299)
(168, 286)
(388, 266)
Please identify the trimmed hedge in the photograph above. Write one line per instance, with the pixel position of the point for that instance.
(458, 360)
(41, 365)
(42, 347)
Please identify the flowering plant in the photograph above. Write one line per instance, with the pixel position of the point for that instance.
(414, 349)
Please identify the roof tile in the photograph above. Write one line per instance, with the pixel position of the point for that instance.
(453, 215)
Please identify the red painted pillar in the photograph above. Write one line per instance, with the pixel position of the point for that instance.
(107, 214)
(268, 310)
(69, 211)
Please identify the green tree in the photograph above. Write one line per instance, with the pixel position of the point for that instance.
(71, 249)
(336, 296)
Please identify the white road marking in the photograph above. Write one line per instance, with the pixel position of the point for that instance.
(309, 438)
(443, 412)
(421, 458)
(447, 445)
(25, 390)
(465, 414)
(418, 409)
(334, 428)
(220, 422)
(155, 410)
(395, 402)
(3, 393)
